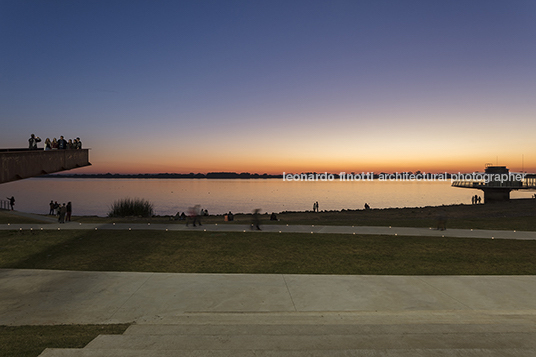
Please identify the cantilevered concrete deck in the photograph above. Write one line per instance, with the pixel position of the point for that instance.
(17, 164)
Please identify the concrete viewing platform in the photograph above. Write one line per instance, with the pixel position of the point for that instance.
(17, 164)
(279, 315)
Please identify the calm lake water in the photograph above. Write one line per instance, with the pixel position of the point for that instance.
(95, 196)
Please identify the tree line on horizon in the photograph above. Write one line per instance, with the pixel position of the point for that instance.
(210, 175)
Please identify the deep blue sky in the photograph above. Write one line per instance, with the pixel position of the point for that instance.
(271, 86)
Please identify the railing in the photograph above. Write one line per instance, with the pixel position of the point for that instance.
(26, 149)
(4, 204)
(19, 149)
(469, 184)
(529, 182)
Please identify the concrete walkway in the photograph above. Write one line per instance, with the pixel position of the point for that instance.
(279, 315)
(65, 297)
(50, 223)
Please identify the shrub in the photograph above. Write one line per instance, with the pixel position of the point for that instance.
(131, 207)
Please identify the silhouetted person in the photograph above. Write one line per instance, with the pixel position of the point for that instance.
(255, 220)
(62, 213)
(367, 207)
(273, 217)
(32, 142)
(473, 200)
(69, 212)
(194, 213)
(51, 205)
(230, 216)
(62, 143)
(11, 201)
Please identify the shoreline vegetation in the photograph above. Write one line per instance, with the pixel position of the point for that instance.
(515, 214)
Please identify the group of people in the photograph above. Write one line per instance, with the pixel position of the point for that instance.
(229, 217)
(62, 211)
(476, 200)
(195, 213)
(315, 207)
(55, 144)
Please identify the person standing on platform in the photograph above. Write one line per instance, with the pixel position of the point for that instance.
(32, 142)
(62, 143)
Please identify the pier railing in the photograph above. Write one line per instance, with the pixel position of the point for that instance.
(529, 182)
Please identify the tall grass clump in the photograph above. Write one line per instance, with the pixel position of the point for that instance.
(131, 207)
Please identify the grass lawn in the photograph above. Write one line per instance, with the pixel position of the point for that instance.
(9, 217)
(263, 252)
(30, 341)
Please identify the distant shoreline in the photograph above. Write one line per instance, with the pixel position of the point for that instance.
(225, 175)
(211, 175)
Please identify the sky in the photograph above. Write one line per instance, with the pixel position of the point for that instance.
(273, 86)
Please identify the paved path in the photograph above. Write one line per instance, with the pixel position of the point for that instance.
(65, 297)
(51, 223)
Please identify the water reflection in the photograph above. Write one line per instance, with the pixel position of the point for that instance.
(219, 196)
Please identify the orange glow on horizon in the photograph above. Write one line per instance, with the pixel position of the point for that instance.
(292, 166)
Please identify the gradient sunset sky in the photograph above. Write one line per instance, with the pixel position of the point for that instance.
(273, 86)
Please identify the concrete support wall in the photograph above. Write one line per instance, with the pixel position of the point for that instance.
(21, 164)
(496, 194)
